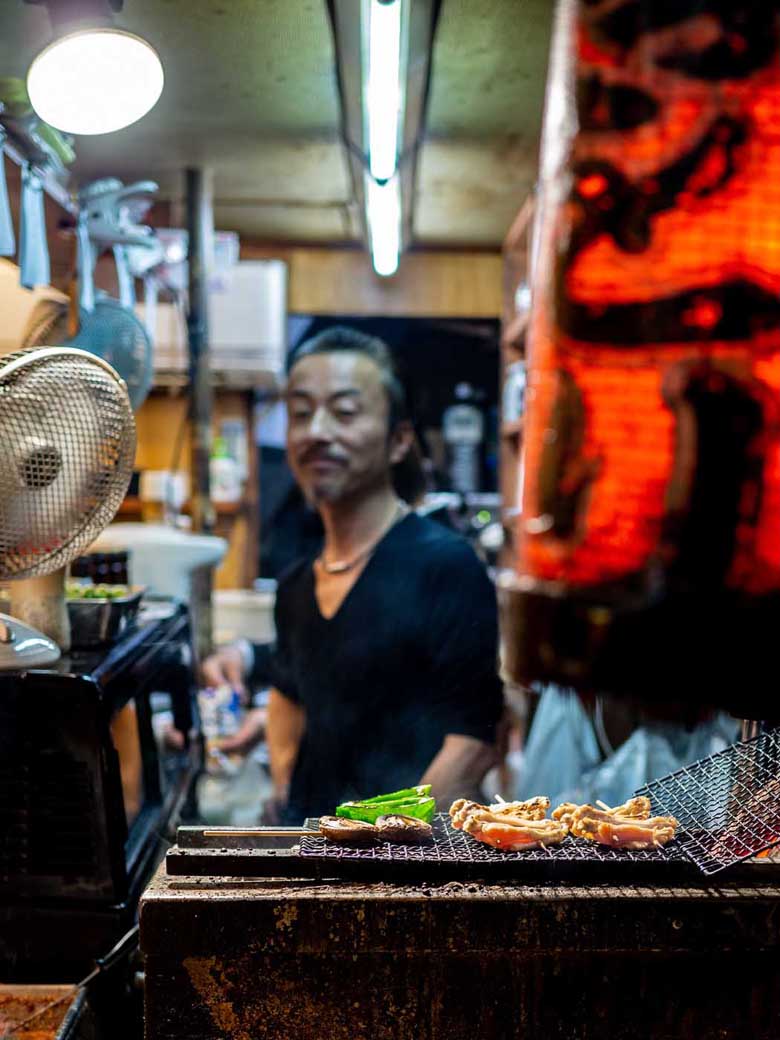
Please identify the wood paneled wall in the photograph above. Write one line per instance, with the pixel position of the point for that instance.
(159, 422)
(428, 284)
(322, 280)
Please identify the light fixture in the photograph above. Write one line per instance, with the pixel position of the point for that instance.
(383, 63)
(95, 79)
(383, 216)
(383, 86)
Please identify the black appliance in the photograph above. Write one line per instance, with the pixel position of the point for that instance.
(88, 794)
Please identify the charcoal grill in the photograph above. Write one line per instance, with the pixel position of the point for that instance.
(452, 856)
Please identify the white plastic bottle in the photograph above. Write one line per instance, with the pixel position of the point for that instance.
(225, 474)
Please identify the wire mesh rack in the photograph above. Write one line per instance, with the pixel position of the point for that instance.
(728, 805)
(453, 851)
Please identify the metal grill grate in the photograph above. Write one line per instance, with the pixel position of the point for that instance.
(728, 804)
(452, 846)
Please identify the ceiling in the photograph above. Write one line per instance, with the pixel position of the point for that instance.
(251, 91)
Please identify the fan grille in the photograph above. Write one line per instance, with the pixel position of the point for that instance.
(68, 444)
(110, 331)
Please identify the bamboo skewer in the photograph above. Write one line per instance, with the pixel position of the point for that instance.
(258, 832)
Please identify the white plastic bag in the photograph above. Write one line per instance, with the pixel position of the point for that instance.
(652, 751)
(561, 748)
(563, 759)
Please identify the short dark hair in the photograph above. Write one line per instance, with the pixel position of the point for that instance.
(408, 474)
(342, 338)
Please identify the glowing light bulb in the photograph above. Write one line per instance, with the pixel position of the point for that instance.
(95, 81)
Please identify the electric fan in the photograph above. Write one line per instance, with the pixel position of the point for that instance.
(68, 444)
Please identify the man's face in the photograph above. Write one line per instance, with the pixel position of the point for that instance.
(337, 431)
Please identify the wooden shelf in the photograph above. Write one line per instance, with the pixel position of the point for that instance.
(131, 506)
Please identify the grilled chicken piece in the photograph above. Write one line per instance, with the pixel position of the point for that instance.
(643, 834)
(633, 809)
(609, 828)
(564, 812)
(531, 809)
(512, 833)
(460, 809)
(357, 832)
(407, 830)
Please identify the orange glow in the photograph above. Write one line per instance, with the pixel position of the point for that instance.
(654, 352)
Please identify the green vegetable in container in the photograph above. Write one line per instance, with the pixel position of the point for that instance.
(76, 591)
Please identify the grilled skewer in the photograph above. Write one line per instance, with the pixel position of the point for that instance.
(618, 831)
(504, 827)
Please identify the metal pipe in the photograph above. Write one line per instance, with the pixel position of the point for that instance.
(200, 226)
(751, 728)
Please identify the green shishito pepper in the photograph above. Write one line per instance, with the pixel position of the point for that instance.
(422, 791)
(412, 801)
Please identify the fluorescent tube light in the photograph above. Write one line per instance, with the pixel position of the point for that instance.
(95, 81)
(383, 87)
(383, 215)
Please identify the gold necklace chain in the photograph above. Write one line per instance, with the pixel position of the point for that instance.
(342, 566)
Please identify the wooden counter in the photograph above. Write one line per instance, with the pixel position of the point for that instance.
(249, 959)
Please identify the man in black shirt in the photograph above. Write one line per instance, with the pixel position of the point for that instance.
(385, 667)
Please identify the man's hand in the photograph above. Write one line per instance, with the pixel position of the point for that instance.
(225, 668)
(458, 768)
(249, 733)
(273, 809)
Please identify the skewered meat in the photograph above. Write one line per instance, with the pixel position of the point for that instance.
(460, 809)
(512, 833)
(358, 832)
(634, 809)
(505, 826)
(617, 831)
(564, 812)
(531, 809)
(404, 829)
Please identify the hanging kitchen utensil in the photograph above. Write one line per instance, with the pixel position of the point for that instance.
(50, 323)
(142, 262)
(7, 240)
(36, 140)
(108, 327)
(86, 258)
(34, 266)
(114, 210)
(151, 292)
(125, 280)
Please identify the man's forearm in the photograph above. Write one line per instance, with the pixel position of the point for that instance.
(285, 727)
(458, 768)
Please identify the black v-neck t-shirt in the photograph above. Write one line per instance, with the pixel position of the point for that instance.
(409, 657)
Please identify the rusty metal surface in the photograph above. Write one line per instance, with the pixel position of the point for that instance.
(51, 1006)
(244, 960)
